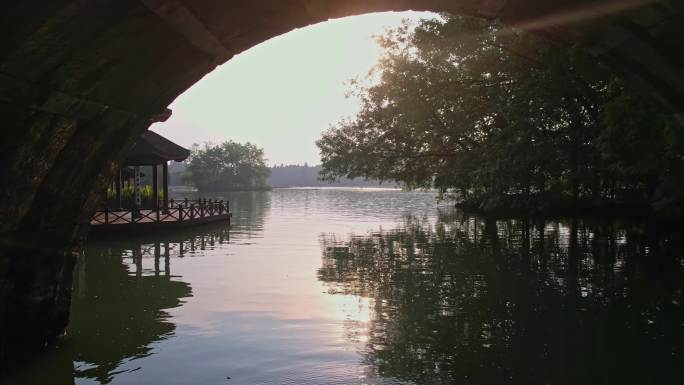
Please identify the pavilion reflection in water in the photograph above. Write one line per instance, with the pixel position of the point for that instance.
(121, 293)
(468, 300)
(123, 290)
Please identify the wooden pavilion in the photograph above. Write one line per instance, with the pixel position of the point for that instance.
(153, 150)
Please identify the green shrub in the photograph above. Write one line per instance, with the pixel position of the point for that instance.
(127, 197)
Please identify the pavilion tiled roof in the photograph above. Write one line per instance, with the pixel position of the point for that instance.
(152, 149)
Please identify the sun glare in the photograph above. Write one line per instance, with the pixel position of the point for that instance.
(352, 308)
(281, 94)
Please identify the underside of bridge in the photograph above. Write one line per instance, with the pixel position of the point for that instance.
(80, 79)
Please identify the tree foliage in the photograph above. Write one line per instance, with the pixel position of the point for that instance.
(228, 166)
(493, 116)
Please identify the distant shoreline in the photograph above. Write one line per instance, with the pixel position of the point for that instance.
(368, 188)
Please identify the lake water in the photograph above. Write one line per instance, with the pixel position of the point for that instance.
(336, 286)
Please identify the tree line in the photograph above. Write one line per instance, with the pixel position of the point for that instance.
(497, 118)
(295, 175)
(232, 166)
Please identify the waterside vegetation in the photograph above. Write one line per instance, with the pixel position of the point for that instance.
(228, 166)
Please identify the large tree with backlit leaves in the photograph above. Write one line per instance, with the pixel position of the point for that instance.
(494, 116)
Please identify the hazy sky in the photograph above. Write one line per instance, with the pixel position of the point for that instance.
(281, 94)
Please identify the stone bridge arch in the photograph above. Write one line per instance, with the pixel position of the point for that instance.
(79, 79)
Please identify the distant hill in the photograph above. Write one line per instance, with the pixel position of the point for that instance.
(307, 176)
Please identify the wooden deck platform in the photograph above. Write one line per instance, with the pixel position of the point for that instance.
(182, 214)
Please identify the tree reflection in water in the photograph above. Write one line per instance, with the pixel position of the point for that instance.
(249, 209)
(476, 301)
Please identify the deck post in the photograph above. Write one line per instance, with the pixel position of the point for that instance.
(165, 177)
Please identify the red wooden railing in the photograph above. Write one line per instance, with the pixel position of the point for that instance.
(178, 211)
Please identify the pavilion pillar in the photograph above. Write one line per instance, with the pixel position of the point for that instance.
(155, 187)
(165, 177)
(118, 188)
(136, 191)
